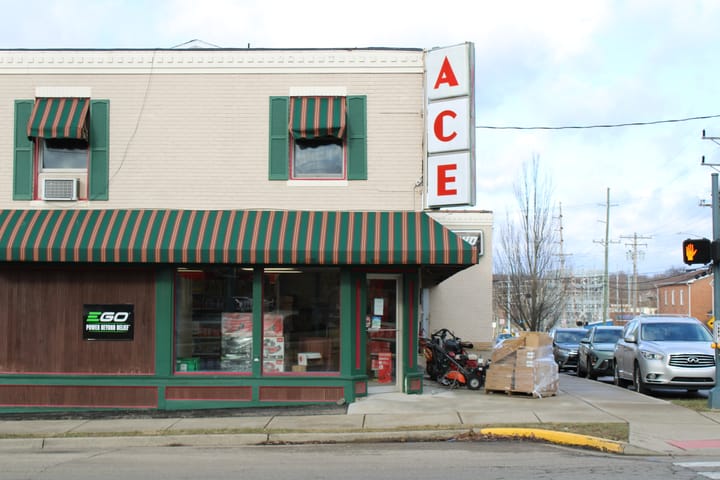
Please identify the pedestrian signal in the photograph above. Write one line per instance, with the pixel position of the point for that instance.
(699, 250)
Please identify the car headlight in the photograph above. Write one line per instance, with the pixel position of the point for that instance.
(651, 355)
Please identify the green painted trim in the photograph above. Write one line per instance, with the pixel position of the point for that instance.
(357, 137)
(411, 316)
(99, 171)
(257, 326)
(279, 146)
(23, 152)
(347, 321)
(164, 322)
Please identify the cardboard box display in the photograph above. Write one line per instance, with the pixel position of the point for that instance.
(306, 358)
(536, 339)
(525, 365)
(499, 377)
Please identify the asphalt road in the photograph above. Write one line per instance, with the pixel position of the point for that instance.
(411, 461)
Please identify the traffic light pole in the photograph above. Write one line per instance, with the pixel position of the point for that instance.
(714, 395)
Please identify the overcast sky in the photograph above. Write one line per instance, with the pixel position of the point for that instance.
(538, 64)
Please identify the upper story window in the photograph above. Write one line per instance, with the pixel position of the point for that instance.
(317, 127)
(59, 127)
(318, 138)
(61, 146)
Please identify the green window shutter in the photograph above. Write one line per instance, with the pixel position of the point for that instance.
(357, 137)
(99, 172)
(23, 157)
(279, 138)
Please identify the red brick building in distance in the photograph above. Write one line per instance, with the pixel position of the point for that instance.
(687, 294)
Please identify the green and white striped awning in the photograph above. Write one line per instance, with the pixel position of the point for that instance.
(231, 237)
(316, 117)
(59, 118)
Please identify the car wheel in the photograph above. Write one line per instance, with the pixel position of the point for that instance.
(638, 384)
(620, 382)
(579, 371)
(590, 374)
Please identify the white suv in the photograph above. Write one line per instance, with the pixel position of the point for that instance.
(665, 352)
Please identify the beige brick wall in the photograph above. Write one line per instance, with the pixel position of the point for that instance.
(197, 136)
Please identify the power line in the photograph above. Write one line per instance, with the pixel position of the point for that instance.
(607, 125)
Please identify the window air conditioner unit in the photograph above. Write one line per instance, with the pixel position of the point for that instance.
(59, 188)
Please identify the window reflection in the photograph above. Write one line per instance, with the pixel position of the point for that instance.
(213, 319)
(301, 331)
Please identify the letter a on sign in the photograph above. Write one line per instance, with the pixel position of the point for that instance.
(448, 72)
(446, 75)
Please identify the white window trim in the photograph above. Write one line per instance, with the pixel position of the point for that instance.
(318, 91)
(67, 92)
(330, 182)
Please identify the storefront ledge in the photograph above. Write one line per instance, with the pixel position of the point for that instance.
(366, 436)
(218, 440)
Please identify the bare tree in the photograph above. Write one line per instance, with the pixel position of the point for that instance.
(528, 259)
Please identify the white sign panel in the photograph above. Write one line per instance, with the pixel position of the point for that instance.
(449, 72)
(450, 126)
(447, 179)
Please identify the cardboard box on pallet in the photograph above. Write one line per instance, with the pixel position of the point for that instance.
(525, 365)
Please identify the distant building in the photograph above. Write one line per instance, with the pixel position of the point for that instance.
(687, 294)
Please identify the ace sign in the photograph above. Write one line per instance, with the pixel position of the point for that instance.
(450, 126)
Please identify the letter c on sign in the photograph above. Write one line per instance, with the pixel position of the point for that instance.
(439, 124)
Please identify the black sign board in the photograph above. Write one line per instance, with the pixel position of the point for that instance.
(108, 322)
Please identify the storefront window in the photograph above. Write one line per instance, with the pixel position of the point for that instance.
(301, 311)
(213, 319)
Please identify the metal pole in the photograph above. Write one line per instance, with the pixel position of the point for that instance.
(714, 394)
(606, 281)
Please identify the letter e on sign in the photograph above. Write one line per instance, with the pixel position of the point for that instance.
(447, 179)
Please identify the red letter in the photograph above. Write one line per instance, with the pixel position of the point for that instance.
(444, 179)
(438, 126)
(446, 75)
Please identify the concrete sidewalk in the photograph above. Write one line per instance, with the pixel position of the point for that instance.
(656, 426)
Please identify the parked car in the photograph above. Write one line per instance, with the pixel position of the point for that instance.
(595, 353)
(502, 337)
(565, 346)
(664, 351)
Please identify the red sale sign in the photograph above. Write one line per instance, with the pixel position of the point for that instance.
(450, 126)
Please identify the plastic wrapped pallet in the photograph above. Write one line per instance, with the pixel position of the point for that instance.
(524, 364)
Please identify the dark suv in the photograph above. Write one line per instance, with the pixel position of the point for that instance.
(666, 352)
(565, 346)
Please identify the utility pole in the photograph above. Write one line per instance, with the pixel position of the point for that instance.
(635, 254)
(606, 243)
(563, 278)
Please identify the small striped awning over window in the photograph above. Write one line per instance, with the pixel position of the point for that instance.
(59, 118)
(231, 237)
(316, 117)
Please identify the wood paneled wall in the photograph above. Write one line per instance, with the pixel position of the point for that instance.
(41, 319)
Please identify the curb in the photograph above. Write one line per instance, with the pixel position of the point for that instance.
(245, 439)
(565, 438)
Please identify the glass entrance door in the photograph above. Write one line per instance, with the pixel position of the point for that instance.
(383, 331)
